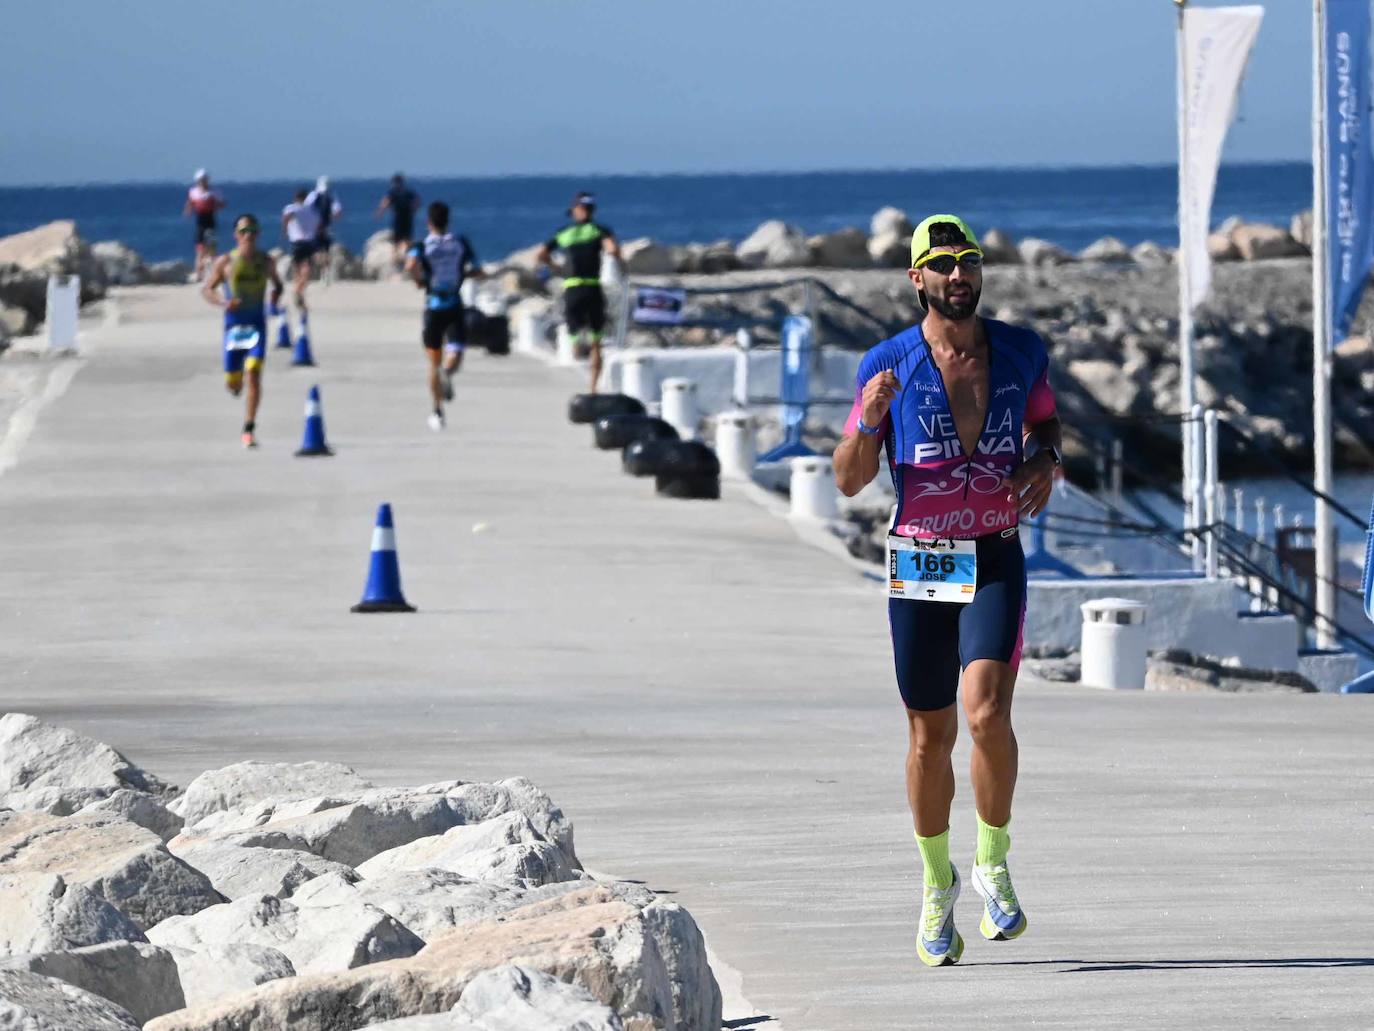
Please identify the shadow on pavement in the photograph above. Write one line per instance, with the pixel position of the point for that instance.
(1086, 967)
(746, 1022)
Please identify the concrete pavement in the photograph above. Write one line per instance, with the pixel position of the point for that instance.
(708, 698)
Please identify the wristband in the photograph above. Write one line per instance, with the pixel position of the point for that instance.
(866, 429)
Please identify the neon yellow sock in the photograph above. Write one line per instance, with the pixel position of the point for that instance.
(935, 860)
(993, 843)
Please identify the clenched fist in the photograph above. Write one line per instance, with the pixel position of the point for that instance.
(877, 397)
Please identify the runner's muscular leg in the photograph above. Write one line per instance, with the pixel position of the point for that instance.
(929, 769)
(987, 690)
(436, 390)
(594, 356)
(254, 376)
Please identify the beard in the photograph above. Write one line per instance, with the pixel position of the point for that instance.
(955, 312)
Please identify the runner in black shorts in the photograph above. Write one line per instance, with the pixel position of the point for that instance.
(951, 403)
(402, 202)
(582, 242)
(439, 265)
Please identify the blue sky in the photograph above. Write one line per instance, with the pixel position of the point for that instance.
(151, 89)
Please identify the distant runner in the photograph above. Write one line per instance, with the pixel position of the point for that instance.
(244, 274)
(584, 304)
(402, 202)
(952, 402)
(439, 264)
(300, 221)
(203, 202)
(329, 208)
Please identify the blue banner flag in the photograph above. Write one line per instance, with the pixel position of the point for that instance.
(1349, 160)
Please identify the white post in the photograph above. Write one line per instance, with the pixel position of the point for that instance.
(814, 495)
(1114, 644)
(1238, 499)
(567, 346)
(679, 406)
(735, 445)
(1187, 388)
(62, 311)
(1325, 542)
(637, 376)
(1193, 496)
(744, 343)
(1210, 493)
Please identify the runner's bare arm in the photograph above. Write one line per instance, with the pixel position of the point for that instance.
(210, 291)
(275, 279)
(413, 270)
(857, 458)
(1032, 482)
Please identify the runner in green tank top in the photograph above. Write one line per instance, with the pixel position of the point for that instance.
(582, 242)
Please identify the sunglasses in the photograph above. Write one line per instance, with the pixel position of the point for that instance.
(944, 263)
(247, 231)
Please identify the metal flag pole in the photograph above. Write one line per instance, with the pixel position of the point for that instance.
(1321, 344)
(1187, 387)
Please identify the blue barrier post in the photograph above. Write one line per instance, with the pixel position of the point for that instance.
(798, 336)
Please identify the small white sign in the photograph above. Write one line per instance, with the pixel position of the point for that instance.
(660, 305)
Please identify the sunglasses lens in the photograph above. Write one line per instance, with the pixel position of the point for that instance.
(971, 261)
(941, 264)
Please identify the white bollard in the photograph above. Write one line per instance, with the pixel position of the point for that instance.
(64, 300)
(529, 334)
(1114, 643)
(637, 377)
(814, 494)
(679, 399)
(567, 346)
(735, 444)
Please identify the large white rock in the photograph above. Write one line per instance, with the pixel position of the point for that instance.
(844, 248)
(431, 902)
(139, 808)
(140, 977)
(517, 998)
(56, 770)
(379, 256)
(1108, 382)
(32, 1002)
(774, 244)
(28, 258)
(588, 937)
(891, 220)
(1300, 229)
(1041, 252)
(43, 913)
(1108, 249)
(644, 257)
(120, 262)
(127, 864)
(1151, 254)
(506, 848)
(890, 249)
(351, 832)
(242, 784)
(314, 938)
(236, 870)
(999, 248)
(1258, 242)
(210, 972)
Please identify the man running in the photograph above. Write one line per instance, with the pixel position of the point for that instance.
(402, 202)
(329, 208)
(584, 305)
(203, 202)
(244, 274)
(439, 265)
(300, 221)
(952, 401)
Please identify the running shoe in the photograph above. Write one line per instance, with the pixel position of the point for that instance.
(1002, 916)
(447, 380)
(436, 421)
(248, 439)
(939, 944)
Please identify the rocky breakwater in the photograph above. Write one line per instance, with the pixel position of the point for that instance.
(272, 896)
(1108, 312)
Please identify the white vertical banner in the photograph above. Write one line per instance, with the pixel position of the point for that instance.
(1216, 46)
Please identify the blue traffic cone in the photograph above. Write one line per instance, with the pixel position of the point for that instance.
(313, 443)
(302, 355)
(383, 590)
(283, 333)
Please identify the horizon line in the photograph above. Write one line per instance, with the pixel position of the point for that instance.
(716, 173)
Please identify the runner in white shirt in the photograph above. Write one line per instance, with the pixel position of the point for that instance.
(300, 221)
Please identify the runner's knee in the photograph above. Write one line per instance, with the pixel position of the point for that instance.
(933, 734)
(989, 716)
